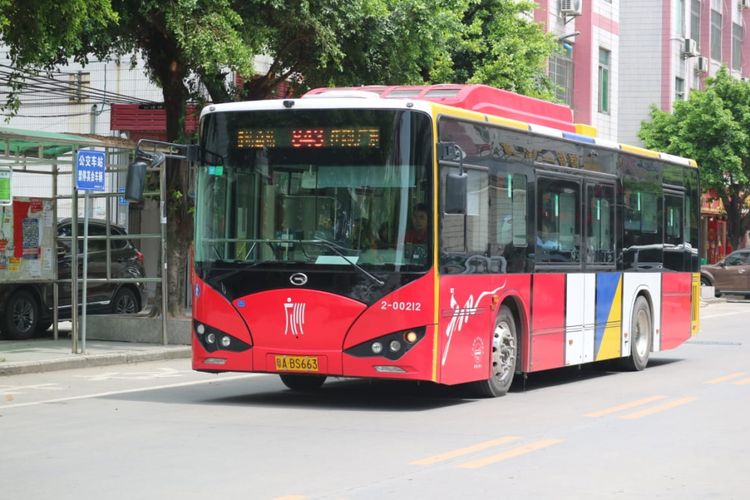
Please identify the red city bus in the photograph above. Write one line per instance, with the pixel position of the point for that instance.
(450, 233)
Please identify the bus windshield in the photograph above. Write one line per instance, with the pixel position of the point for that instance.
(340, 187)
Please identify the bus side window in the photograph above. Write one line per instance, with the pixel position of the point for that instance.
(508, 220)
(600, 218)
(558, 238)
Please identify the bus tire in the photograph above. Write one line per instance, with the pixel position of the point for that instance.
(21, 316)
(302, 383)
(641, 336)
(504, 359)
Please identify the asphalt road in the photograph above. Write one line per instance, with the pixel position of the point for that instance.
(680, 429)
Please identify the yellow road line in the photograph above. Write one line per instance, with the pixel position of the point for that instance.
(744, 381)
(725, 378)
(657, 409)
(465, 451)
(512, 453)
(624, 406)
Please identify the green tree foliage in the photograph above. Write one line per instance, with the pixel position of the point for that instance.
(503, 47)
(192, 47)
(713, 127)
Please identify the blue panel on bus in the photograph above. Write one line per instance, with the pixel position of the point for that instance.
(579, 138)
(606, 290)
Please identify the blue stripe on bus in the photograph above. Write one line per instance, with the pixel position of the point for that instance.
(606, 287)
(579, 137)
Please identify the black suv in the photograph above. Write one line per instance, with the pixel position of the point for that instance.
(26, 308)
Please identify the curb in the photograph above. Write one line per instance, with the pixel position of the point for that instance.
(89, 360)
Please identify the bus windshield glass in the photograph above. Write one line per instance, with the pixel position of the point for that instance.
(343, 187)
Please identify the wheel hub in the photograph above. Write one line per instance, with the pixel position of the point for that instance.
(503, 352)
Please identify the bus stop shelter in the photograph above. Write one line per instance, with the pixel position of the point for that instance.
(39, 168)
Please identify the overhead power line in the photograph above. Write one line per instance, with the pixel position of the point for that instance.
(35, 84)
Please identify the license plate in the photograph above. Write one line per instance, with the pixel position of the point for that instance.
(297, 363)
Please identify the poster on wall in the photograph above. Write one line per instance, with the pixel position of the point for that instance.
(26, 240)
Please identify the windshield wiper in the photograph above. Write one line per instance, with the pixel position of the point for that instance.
(328, 244)
(333, 246)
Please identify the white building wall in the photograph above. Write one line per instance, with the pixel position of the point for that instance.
(55, 112)
(640, 65)
(606, 123)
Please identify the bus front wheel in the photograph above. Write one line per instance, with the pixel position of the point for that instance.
(504, 357)
(302, 383)
(641, 332)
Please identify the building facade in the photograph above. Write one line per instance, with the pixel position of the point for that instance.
(670, 47)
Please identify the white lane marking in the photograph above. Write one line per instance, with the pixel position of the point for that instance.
(129, 391)
(161, 373)
(13, 390)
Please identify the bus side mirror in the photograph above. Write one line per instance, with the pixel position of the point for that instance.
(456, 188)
(136, 179)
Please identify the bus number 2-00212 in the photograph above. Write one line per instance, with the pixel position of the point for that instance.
(400, 306)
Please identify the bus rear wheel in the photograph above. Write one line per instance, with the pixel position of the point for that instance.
(302, 383)
(641, 335)
(504, 357)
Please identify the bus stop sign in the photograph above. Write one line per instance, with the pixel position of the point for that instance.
(90, 170)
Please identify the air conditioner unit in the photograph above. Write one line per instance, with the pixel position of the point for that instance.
(701, 65)
(691, 48)
(743, 4)
(569, 8)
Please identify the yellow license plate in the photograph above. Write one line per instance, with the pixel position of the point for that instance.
(297, 363)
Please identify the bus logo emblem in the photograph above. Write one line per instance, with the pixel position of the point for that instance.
(298, 279)
(295, 317)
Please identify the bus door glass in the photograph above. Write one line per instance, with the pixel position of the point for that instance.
(600, 224)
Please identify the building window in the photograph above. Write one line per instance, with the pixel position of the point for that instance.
(695, 21)
(680, 17)
(604, 61)
(679, 89)
(561, 74)
(737, 35)
(716, 35)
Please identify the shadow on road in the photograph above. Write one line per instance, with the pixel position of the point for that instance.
(360, 394)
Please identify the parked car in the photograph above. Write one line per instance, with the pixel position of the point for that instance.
(730, 275)
(26, 308)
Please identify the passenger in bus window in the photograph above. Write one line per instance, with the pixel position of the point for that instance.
(419, 222)
(547, 238)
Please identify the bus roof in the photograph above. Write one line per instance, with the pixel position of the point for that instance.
(474, 97)
(507, 108)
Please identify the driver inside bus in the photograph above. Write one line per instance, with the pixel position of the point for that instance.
(419, 222)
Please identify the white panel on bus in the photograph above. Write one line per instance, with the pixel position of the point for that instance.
(580, 318)
(633, 284)
(589, 317)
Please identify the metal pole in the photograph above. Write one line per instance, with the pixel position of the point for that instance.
(85, 268)
(74, 259)
(55, 269)
(164, 267)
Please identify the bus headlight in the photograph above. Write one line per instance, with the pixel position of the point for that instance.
(212, 339)
(399, 343)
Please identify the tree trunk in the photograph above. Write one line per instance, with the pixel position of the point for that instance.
(734, 219)
(179, 216)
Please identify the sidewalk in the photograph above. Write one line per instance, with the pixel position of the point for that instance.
(47, 354)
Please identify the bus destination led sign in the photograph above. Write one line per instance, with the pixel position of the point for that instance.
(299, 138)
